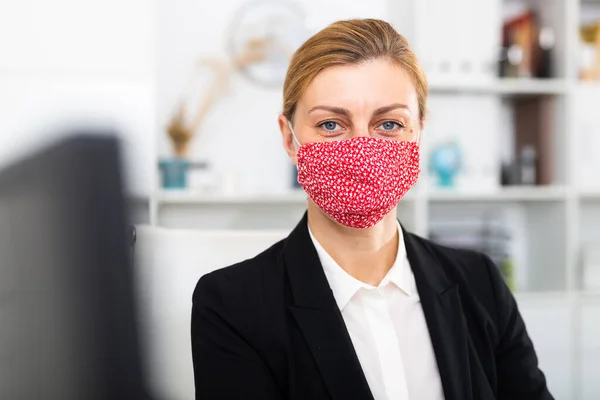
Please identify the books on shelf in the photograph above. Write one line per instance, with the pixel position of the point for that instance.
(489, 236)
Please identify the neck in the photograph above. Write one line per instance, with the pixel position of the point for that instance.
(366, 254)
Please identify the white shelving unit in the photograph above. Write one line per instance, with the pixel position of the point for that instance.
(508, 194)
(554, 220)
(561, 203)
(506, 87)
(185, 198)
(590, 195)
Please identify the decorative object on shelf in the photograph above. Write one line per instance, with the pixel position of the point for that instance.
(528, 162)
(546, 43)
(534, 144)
(510, 175)
(188, 117)
(589, 62)
(263, 36)
(446, 162)
(174, 173)
(527, 47)
(180, 173)
(518, 41)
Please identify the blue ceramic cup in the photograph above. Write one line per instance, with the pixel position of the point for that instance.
(174, 173)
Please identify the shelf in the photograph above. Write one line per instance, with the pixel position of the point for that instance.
(590, 194)
(589, 296)
(293, 198)
(190, 198)
(588, 85)
(522, 296)
(581, 295)
(298, 197)
(505, 86)
(549, 193)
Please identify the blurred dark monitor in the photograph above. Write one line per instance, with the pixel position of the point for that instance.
(67, 315)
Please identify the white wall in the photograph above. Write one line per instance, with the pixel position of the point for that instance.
(70, 63)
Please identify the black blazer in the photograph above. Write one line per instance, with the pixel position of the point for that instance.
(269, 328)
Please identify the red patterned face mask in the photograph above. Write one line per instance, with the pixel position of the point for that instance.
(358, 181)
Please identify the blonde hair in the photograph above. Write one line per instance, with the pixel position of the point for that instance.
(350, 42)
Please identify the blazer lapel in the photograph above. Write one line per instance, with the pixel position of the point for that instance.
(444, 316)
(320, 320)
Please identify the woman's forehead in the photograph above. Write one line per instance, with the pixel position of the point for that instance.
(363, 86)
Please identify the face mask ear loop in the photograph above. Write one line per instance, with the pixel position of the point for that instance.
(294, 134)
(417, 138)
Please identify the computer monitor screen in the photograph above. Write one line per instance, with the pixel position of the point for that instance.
(67, 314)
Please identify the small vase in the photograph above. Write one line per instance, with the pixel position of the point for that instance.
(174, 173)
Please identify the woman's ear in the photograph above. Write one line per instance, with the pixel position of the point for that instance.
(287, 138)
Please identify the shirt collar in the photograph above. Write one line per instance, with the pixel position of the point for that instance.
(344, 285)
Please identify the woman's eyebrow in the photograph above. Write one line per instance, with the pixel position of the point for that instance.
(386, 109)
(347, 113)
(335, 110)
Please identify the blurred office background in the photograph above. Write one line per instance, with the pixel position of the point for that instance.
(511, 151)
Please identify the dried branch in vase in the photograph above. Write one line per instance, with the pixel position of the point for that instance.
(256, 50)
(181, 131)
(180, 134)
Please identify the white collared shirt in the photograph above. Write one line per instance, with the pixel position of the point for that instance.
(388, 329)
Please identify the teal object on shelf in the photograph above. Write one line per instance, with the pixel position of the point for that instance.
(174, 173)
(446, 162)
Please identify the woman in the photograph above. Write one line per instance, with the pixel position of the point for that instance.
(351, 306)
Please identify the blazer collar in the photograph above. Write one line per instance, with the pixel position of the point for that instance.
(305, 270)
(424, 263)
(441, 303)
(310, 288)
(345, 286)
(320, 320)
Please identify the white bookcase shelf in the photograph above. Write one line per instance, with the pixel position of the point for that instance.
(298, 197)
(503, 86)
(590, 195)
(199, 198)
(590, 295)
(507, 194)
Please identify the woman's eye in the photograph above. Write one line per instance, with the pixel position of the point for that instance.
(329, 125)
(390, 126)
